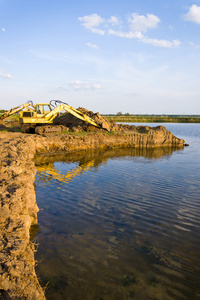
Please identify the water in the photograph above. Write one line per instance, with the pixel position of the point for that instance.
(121, 224)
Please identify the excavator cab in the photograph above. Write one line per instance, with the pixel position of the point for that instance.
(42, 108)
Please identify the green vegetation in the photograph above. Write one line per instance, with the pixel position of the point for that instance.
(127, 118)
(13, 117)
(10, 129)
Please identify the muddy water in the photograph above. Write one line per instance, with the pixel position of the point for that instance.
(121, 225)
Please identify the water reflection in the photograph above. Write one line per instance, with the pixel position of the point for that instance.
(84, 161)
(118, 225)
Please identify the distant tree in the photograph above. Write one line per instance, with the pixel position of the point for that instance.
(127, 114)
(119, 113)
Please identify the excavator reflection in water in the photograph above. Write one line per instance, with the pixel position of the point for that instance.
(85, 161)
(49, 171)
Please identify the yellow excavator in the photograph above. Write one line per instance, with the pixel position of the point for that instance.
(39, 118)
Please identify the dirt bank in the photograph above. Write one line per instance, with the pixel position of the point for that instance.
(18, 203)
(18, 212)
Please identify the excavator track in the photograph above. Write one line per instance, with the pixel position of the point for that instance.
(48, 129)
(26, 128)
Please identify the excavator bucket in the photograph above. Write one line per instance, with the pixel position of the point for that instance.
(105, 126)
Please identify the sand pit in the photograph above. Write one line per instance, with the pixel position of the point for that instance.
(18, 204)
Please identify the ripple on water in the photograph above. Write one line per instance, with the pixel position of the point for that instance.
(120, 226)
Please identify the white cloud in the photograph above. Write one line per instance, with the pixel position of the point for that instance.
(193, 15)
(92, 45)
(128, 35)
(141, 23)
(81, 85)
(138, 25)
(3, 29)
(91, 22)
(98, 31)
(161, 43)
(113, 20)
(145, 40)
(5, 75)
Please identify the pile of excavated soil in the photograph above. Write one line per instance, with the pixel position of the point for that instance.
(9, 125)
(74, 124)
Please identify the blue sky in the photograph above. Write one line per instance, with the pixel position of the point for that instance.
(107, 56)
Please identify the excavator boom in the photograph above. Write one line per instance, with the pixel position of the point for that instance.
(15, 110)
(52, 114)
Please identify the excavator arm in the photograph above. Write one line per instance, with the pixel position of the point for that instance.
(52, 114)
(64, 106)
(14, 110)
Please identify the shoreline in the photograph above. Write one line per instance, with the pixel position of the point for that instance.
(18, 201)
(153, 119)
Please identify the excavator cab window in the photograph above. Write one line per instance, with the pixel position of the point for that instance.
(42, 109)
(47, 109)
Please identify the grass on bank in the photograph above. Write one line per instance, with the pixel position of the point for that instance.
(152, 119)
